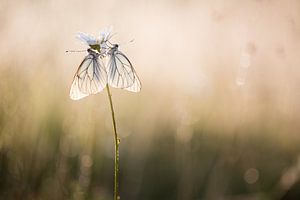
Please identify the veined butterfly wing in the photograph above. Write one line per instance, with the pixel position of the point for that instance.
(119, 69)
(90, 77)
(136, 86)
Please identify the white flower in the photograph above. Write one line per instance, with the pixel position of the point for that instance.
(99, 43)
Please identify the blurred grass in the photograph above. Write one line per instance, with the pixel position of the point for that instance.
(54, 148)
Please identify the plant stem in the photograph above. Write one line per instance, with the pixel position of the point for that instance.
(117, 142)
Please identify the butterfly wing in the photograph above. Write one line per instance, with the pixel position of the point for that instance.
(136, 86)
(90, 78)
(120, 71)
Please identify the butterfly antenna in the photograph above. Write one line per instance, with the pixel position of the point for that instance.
(110, 36)
(112, 45)
(130, 41)
(74, 51)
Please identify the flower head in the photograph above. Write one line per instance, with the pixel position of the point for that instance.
(99, 43)
(90, 40)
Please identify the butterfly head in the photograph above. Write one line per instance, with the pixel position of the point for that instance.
(93, 52)
(114, 47)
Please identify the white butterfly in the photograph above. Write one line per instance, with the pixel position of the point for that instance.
(92, 75)
(120, 72)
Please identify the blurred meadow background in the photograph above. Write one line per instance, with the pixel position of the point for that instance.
(218, 116)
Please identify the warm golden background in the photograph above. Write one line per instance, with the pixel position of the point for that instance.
(218, 116)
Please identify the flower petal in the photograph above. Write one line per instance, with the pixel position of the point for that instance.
(86, 38)
(105, 34)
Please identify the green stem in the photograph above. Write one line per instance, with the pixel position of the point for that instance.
(117, 142)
